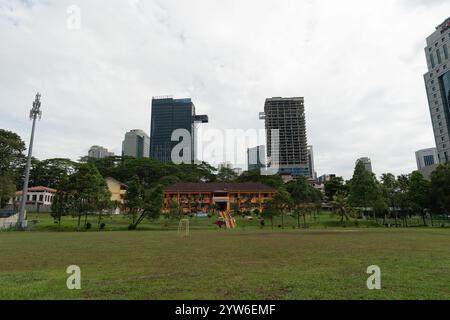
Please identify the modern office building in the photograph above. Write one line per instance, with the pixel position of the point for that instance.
(426, 157)
(168, 115)
(290, 154)
(437, 82)
(136, 144)
(325, 178)
(312, 172)
(256, 158)
(367, 163)
(99, 152)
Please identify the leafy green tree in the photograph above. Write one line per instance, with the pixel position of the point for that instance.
(226, 174)
(61, 204)
(390, 190)
(418, 194)
(153, 202)
(301, 197)
(402, 198)
(50, 172)
(11, 162)
(88, 191)
(269, 211)
(363, 187)
(440, 189)
(341, 206)
(334, 185)
(134, 199)
(274, 181)
(281, 203)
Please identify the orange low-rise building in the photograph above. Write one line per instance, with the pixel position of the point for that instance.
(205, 197)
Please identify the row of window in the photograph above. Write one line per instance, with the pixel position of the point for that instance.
(34, 198)
(439, 56)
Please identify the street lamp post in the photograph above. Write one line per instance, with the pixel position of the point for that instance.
(35, 113)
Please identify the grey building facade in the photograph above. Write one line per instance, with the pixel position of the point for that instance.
(168, 115)
(288, 116)
(426, 158)
(99, 152)
(136, 144)
(256, 157)
(437, 83)
(367, 163)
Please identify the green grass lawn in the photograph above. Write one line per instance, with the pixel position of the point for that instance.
(248, 263)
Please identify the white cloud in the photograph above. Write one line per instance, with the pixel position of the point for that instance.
(359, 65)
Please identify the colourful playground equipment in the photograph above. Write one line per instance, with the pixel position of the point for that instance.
(229, 220)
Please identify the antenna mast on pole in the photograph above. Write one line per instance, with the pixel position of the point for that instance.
(35, 113)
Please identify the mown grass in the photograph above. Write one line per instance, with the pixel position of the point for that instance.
(227, 264)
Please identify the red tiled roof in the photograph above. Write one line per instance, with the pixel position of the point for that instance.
(219, 186)
(38, 189)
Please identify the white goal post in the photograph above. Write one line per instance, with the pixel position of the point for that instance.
(183, 228)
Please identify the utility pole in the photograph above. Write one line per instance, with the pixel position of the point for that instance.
(34, 114)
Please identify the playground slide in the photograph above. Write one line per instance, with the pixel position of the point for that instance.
(230, 221)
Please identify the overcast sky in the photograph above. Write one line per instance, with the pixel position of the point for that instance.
(359, 65)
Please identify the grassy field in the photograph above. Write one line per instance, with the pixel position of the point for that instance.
(247, 263)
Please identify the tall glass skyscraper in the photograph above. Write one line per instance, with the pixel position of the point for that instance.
(437, 81)
(168, 115)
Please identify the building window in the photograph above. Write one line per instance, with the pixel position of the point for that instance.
(428, 160)
(445, 51)
(433, 63)
(438, 54)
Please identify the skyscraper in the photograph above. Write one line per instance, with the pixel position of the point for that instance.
(437, 82)
(136, 144)
(256, 157)
(288, 116)
(99, 152)
(168, 115)
(426, 158)
(367, 163)
(312, 172)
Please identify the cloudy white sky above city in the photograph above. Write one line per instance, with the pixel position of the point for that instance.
(359, 65)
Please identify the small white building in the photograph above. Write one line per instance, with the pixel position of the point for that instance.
(39, 199)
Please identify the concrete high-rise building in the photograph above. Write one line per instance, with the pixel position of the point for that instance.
(426, 158)
(288, 116)
(367, 163)
(437, 82)
(99, 152)
(168, 115)
(256, 158)
(312, 172)
(136, 144)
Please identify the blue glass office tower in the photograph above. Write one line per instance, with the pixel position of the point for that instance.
(168, 115)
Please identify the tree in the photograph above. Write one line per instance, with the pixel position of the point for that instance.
(418, 194)
(61, 201)
(363, 187)
(175, 211)
(226, 174)
(440, 189)
(274, 181)
(402, 197)
(88, 191)
(50, 172)
(334, 185)
(390, 189)
(11, 160)
(153, 202)
(302, 197)
(281, 202)
(268, 211)
(134, 199)
(342, 206)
